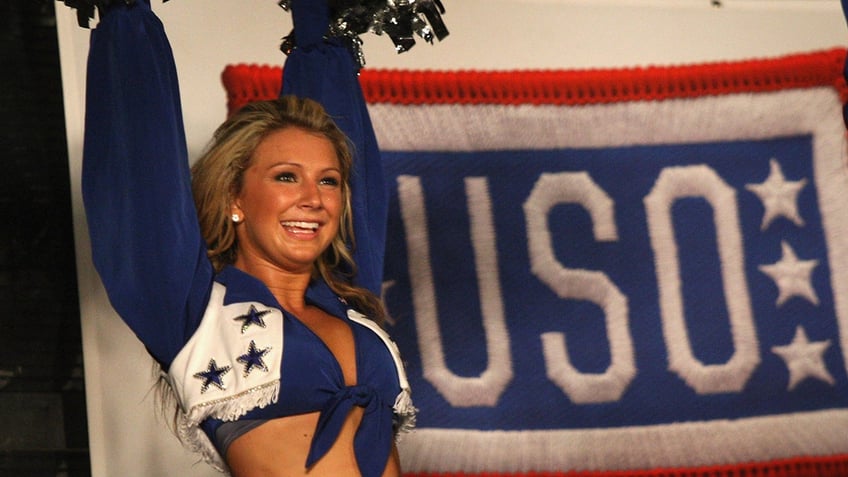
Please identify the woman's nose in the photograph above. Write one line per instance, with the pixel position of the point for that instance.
(310, 195)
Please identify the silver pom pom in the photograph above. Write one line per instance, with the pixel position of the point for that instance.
(400, 20)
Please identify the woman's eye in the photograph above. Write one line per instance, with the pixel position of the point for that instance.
(286, 177)
(331, 181)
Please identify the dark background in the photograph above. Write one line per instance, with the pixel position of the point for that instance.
(42, 397)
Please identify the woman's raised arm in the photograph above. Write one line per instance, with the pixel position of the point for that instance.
(145, 239)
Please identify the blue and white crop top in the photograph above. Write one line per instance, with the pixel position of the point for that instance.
(251, 360)
(230, 351)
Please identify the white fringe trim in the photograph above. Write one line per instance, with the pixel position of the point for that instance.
(406, 413)
(229, 409)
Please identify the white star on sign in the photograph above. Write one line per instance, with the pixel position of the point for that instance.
(804, 359)
(779, 196)
(792, 276)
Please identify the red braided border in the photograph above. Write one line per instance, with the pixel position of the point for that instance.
(245, 83)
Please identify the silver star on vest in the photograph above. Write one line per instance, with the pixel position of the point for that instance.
(779, 196)
(212, 375)
(792, 276)
(252, 317)
(804, 359)
(253, 358)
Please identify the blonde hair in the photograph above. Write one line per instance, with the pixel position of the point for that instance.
(217, 179)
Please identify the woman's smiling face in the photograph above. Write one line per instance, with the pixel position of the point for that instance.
(290, 202)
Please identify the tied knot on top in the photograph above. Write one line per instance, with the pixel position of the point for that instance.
(372, 443)
(361, 395)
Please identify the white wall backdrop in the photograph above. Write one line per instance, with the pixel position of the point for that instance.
(125, 437)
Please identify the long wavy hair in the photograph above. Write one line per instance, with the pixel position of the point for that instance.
(217, 178)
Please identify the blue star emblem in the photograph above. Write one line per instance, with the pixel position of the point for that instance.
(253, 358)
(252, 317)
(212, 375)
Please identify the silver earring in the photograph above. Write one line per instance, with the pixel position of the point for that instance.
(236, 218)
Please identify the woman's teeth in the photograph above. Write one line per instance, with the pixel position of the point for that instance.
(301, 227)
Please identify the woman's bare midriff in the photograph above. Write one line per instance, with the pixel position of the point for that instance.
(278, 448)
